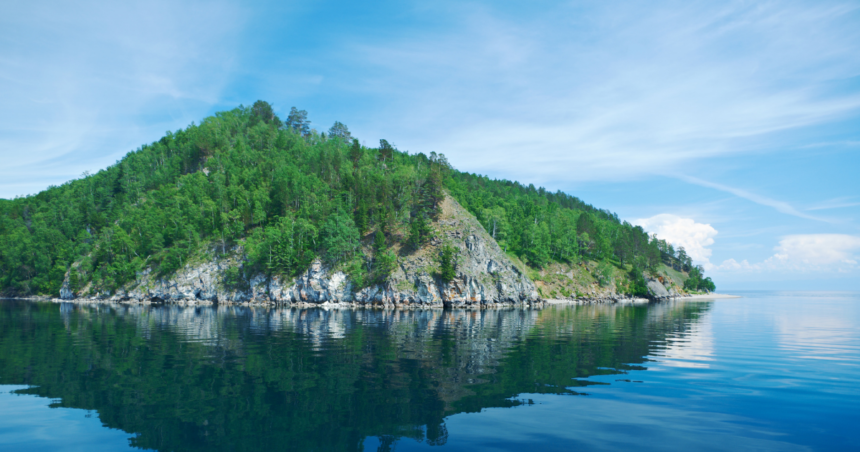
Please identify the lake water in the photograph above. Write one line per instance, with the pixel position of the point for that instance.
(769, 371)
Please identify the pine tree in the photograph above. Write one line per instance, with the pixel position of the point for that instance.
(340, 131)
(419, 232)
(379, 242)
(355, 152)
(447, 270)
(298, 121)
(361, 218)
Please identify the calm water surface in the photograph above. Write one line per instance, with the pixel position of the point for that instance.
(770, 371)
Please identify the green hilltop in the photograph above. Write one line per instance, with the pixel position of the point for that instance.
(288, 195)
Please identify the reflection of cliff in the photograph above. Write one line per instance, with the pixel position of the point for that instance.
(242, 378)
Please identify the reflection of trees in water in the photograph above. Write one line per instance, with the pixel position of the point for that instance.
(240, 378)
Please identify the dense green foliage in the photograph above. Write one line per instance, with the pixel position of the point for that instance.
(541, 227)
(289, 195)
(698, 282)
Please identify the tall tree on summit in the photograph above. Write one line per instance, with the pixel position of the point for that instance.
(340, 131)
(263, 111)
(386, 150)
(355, 153)
(298, 121)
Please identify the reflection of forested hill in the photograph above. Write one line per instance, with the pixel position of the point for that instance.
(253, 379)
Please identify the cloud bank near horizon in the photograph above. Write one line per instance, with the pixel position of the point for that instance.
(797, 253)
(806, 253)
(694, 237)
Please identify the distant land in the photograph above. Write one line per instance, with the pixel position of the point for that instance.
(247, 207)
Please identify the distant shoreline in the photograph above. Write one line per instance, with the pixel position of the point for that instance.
(713, 296)
(636, 300)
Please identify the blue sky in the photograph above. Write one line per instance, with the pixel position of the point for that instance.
(732, 128)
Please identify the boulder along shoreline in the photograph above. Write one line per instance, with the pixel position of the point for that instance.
(540, 303)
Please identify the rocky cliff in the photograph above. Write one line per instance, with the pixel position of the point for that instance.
(485, 277)
(660, 290)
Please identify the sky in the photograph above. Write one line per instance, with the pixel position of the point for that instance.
(730, 128)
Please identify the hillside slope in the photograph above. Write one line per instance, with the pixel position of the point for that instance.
(261, 199)
(484, 276)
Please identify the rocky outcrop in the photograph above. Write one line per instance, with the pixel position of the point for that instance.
(65, 290)
(659, 291)
(485, 277)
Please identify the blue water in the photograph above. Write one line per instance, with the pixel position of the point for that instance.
(769, 371)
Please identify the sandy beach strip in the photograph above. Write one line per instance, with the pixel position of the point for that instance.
(712, 296)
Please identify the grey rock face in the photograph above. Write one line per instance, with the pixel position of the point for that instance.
(198, 282)
(485, 276)
(316, 285)
(657, 289)
(660, 291)
(65, 289)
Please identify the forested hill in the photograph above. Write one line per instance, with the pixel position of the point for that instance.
(289, 194)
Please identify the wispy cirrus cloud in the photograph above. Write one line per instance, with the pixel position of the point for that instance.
(780, 206)
(836, 203)
(87, 80)
(597, 92)
(586, 91)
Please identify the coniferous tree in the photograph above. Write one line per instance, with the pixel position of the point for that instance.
(361, 218)
(419, 232)
(681, 258)
(341, 132)
(386, 150)
(355, 152)
(447, 264)
(298, 121)
(379, 242)
(263, 111)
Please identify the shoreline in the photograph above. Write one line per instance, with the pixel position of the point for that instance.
(636, 300)
(353, 305)
(584, 301)
(331, 304)
(713, 296)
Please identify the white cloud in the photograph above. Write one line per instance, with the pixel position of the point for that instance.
(806, 252)
(733, 265)
(818, 249)
(694, 237)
